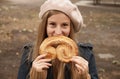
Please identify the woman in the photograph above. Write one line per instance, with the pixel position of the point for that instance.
(57, 18)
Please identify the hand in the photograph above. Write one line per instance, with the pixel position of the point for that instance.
(39, 64)
(81, 66)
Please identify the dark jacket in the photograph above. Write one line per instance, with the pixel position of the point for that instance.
(26, 62)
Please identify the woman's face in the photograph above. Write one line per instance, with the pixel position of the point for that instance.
(58, 24)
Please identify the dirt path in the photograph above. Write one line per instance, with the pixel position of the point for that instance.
(18, 25)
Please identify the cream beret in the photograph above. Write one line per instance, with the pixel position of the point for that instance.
(66, 7)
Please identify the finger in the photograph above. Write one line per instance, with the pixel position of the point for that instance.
(82, 68)
(40, 57)
(79, 60)
(78, 57)
(42, 66)
(43, 60)
(48, 64)
(45, 65)
(79, 68)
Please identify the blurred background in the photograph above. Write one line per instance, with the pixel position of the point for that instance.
(18, 26)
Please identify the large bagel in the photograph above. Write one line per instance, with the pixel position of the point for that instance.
(60, 47)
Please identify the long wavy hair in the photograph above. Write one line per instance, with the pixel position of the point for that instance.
(58, 66)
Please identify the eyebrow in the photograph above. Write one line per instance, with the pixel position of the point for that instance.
(51, 21)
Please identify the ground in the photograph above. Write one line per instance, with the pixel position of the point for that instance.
(18, 25)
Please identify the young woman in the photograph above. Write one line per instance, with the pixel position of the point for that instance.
(57, 18)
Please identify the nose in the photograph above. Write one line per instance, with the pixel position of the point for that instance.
(58, 31)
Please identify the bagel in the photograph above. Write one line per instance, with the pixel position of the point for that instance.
(60, 47)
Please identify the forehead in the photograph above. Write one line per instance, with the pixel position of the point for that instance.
(59, 17)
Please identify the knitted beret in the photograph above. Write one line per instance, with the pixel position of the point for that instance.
(66, 7)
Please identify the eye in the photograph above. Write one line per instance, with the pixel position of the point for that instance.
(52, 23)
(65, 25)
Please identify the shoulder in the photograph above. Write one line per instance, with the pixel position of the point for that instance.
(86, 50)
(86, 45)
(28, 45)
(27, 50)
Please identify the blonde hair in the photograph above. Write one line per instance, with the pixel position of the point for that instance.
(58, 66)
